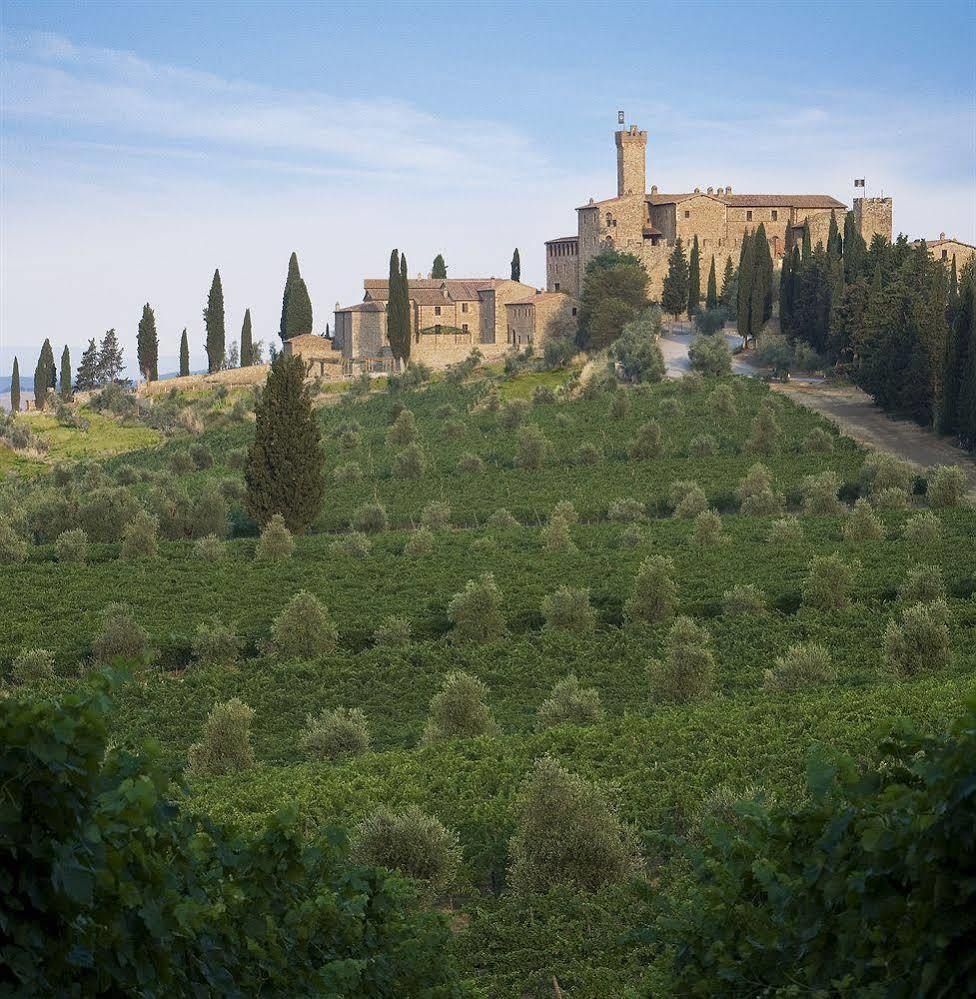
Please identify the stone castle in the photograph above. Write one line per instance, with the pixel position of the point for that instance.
(647, 224)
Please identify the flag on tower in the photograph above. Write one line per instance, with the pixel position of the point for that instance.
(859, 182)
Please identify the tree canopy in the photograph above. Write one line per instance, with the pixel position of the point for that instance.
(614, 292)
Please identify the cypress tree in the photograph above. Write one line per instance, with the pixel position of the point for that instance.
(953, 283)
(762, 267)
(743, 308)
(285, 469)
(965, 340)
(711, 293)
(516, 266)
(296, 317)
(397, 318)
(438, 269)
(184, 355)
(247, 341)
(834, 245)
(45, 375)
(147, 345)
(786, 291)
(213, 318)
(674, 298)
(807, 249)
(15, 387)
(66, 374)
(87, 376)
(694, 278)
(404, 292)
(855, 251)
(729, 286)
(110, 363)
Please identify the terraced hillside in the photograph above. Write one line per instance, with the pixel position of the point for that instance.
(419, 482)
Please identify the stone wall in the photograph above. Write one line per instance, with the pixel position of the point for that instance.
(946, 249)
(873, 216)
(562, 266)
(500, 295)
(631, 161)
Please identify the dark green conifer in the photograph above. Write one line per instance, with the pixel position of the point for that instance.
(15, 387)
(147, 345)
(743, 310)
(730, 284)
(87, 377)
(45, 376)
(184, 355)
(213, 318)
(285, 469)
(694, 278)
(807, 249)
(247, 341)
(855, 251)
(111, 363)
(674, 297)
(761, 304)
(66, 374)
(834, 244)
(296, 316)
(398, 312)
(438, 269)
(711, 292)
(516, 266)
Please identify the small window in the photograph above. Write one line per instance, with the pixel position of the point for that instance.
(464, 306)
(574, 310)
(687, 214)
(748, 216)
(557, 286)
(945, 254)
(437, 328)
(437, 310)
(464, 327)
(775, 215)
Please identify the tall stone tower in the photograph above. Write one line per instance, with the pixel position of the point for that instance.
(872, 216)
(631, 156)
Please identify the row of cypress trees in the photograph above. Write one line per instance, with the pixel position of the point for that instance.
(754, 298)
(682, 284)
(45, 378)
(398, 308)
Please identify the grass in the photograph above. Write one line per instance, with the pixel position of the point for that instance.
(103, 438)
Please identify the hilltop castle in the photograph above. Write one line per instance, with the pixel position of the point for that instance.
(648, 224)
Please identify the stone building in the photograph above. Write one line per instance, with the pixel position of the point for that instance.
(948, 248)
(321, 359)
(533, 320)
(647, 224)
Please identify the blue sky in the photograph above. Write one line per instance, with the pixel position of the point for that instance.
(145, 144)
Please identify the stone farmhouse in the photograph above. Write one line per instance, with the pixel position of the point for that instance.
(647, 224)
(948, 249)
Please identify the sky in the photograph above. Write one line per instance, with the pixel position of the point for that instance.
(146, 144)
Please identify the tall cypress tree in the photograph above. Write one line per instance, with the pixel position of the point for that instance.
(953, 283)
(110, 360)
(213, 319)
(87, 377)
(730, 283)
(516, 266)
(787, 288)
(743, 309)
(964, 341)
(438, 269)
(45, 375)
(147, 345)
(694, 278)
(296, 305)
(834, 244)
(66, 374)
(285, 469)
(674, 297)
(184, 355)
(761, 306)
(806, 247)
(404, 292)
(15, 387)
(855, 251)
(398, 311)
(247, 341)
(711, 292)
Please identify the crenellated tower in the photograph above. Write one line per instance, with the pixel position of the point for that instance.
(631, 161)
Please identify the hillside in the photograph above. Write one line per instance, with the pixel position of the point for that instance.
(668, 761)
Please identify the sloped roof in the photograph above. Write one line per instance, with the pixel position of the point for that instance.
(564, 239)
(736, 200)
(363, 307)
(537, 297)
(945, 239)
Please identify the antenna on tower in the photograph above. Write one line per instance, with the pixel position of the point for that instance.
(620, 117)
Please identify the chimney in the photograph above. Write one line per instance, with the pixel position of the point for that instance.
(711, 190)
(697, 190)
(941, 235)
(728, 189)
(653, 188)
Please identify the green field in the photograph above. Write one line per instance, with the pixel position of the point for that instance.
(663, 760)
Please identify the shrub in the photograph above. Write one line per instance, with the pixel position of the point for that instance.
(556, 536)
(820, 494)
(410, 463)
(513, 413)
(486, 544)
(105, 513)
(710, 355)
(774, 351)
(72, 546)
(411, 843)
(237, 458)
(420, 542)
(180, 463)
(336, 735)
(355, 544)
(502, 519)
(647, 443)
(687, 671)
(637, 352)
(721, 402)
(758, 479)
(370, 518)
(626, 510)
(829, 582)
(452, 430)
(921, 641)
(883, 471)
(304, 630)
(655, 594)
(863, 525)
(946, 487)
(801, 667)
(923, 529)
(225, 744)
(632, 536)
(140, 536)
(708, 530)
(121, 637)
(476, 611)
(201, 456)
(562, 420)
(923, 585)
(436, 515)
(404, 429)
(687, 499)
(276, 543)
(709, 321)
(32, 665)
(348, 440)
(762, 504)
(543, 395)
(557, 352)
(703, 446)
(564, 510)
(458, 710)
(785, 531)
(531, 448)
(568, 832)
(569, 703)
(588, 454)
(569, 609)
(619, 406)
(13, 548)
(765, 434)
(807, 359)
(348, 473)
(231, 489)
(470, 464)
(890, 499)
(392, 632)
(671, 407)
(818, 441)
(209, 515)
(743, 600)
(215, 643)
